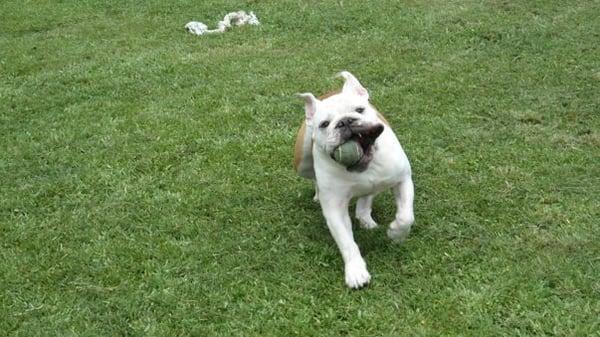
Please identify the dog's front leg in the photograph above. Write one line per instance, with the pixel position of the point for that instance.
(336, 214)
(400, 227)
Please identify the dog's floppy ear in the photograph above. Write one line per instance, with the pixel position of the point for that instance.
(352, 85)
(310, 106)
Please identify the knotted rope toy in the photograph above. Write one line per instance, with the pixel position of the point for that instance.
(238, 18)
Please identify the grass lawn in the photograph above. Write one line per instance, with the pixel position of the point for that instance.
(146, 184)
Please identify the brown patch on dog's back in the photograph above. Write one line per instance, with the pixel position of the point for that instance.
(299, 144)
(382, 117)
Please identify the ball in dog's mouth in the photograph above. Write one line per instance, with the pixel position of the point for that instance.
(348, 153)
(356, 153)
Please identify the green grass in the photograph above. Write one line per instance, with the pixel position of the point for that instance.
(147, 188)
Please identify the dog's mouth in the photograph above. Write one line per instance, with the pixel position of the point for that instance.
(365, 136)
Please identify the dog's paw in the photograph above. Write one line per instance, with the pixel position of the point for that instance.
(357, 275)
(399, 229)
(366, 222)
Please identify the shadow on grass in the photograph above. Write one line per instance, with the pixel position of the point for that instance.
(370, 241)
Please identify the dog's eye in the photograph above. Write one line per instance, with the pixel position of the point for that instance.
(360, 109)
(324, 124)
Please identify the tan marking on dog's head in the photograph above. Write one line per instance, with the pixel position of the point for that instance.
(335, 92)
(329, 94)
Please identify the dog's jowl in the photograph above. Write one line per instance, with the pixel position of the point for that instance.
(334, 120)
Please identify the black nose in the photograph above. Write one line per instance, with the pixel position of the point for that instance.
(345, 122)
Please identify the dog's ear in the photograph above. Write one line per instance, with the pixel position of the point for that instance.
(310, 106)
(352, 85)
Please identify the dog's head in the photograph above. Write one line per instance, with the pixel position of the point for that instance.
(344, 116)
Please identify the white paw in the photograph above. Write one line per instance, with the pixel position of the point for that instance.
(366, 222)
(399, 230)
(357, 275)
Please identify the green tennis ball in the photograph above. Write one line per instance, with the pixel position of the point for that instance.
(348, 153)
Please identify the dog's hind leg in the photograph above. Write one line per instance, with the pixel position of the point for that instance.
(400, 227)
(316, 197)
(363, 211)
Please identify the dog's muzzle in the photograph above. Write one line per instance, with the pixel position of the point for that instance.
(364, 133)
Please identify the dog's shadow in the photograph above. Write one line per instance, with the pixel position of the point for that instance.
(370, 241)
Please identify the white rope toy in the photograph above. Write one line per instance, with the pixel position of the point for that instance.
(238, 18)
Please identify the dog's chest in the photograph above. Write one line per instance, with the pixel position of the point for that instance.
(376, 179)
(388, 167)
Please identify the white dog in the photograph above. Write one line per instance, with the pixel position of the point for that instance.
(331, 121)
